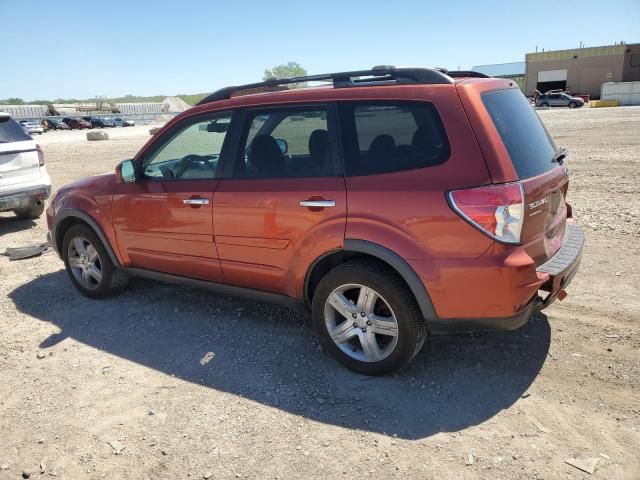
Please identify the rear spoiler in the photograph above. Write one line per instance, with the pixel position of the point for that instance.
(466, 74)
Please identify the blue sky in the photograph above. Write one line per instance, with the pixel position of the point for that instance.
(69, 48)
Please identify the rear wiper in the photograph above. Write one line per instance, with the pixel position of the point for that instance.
(560, 156)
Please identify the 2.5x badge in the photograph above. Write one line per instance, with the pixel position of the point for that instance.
(538, 203)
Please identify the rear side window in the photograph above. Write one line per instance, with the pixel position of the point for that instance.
(11, 131)
(524, 136)
(383, 137)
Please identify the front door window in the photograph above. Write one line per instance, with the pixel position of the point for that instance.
(193, 153)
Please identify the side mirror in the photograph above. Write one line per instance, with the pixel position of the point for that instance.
(284, 146)
(126, 172)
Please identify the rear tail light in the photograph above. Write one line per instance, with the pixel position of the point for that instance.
(496, 210)
(40, 155)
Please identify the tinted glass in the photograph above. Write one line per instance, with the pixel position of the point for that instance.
(193, 153)
(11, 131)
(285, 144)
(384, 137)
(527, 141)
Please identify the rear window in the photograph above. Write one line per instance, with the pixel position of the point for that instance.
(11, 131)
(383, 137)
(530, 146)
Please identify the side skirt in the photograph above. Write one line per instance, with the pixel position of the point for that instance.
(221, 288)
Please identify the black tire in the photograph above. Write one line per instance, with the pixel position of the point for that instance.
(112, 281)
(573, 104)
(544, 105)
(31, 212)
(411, 326)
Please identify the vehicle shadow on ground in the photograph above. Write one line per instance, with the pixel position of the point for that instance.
(14, 224)
(268, 354)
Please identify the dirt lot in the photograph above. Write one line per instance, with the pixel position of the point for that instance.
(169, 382)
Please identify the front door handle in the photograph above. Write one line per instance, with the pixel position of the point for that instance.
(196, 201)
(318, 203)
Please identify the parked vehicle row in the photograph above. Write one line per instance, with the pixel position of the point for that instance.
(74, 123)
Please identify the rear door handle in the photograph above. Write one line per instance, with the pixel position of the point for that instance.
(196, 201)
(318, 203)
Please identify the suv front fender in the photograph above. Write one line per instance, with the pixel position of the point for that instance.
(75, 213)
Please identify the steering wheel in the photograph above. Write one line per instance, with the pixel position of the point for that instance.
(191, 161)
(166, 172)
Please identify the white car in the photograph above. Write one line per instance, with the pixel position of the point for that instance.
(32, 127)
(24, 181)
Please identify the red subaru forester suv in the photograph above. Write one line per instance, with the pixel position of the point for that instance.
(391, 203)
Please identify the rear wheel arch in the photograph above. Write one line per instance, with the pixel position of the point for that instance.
(369, 251)
(72, 216)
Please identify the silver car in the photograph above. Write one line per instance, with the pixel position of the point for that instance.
(122, 122)
(32, 127)
(559, 100)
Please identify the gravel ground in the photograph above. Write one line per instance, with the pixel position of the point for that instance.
(171, 382)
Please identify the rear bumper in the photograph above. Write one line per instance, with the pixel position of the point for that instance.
(456, 325)
(559, 270)
(24, 197)
(552, 277)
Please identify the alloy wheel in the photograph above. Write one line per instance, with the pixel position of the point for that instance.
(361, 323)
(84, 262)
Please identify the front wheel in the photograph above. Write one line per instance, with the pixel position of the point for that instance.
(544, 105)
(88, 264)
(573, 104)
(367, 318)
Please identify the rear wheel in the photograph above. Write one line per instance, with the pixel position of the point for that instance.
(367, 318)
(30, 212)
(88, 264)
(544, 105)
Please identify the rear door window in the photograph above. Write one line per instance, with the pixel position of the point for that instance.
(11, 131)
(286, 143)
(384, 137)
(527, 141)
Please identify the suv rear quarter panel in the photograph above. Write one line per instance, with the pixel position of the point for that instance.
(407, 212)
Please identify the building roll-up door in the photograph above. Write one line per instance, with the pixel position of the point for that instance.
(552, 80)
(552, 76)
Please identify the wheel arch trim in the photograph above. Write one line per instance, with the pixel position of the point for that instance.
(85, 217)
(394, 260)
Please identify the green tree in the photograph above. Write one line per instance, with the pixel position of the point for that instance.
(291, 69)
(13, 101)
